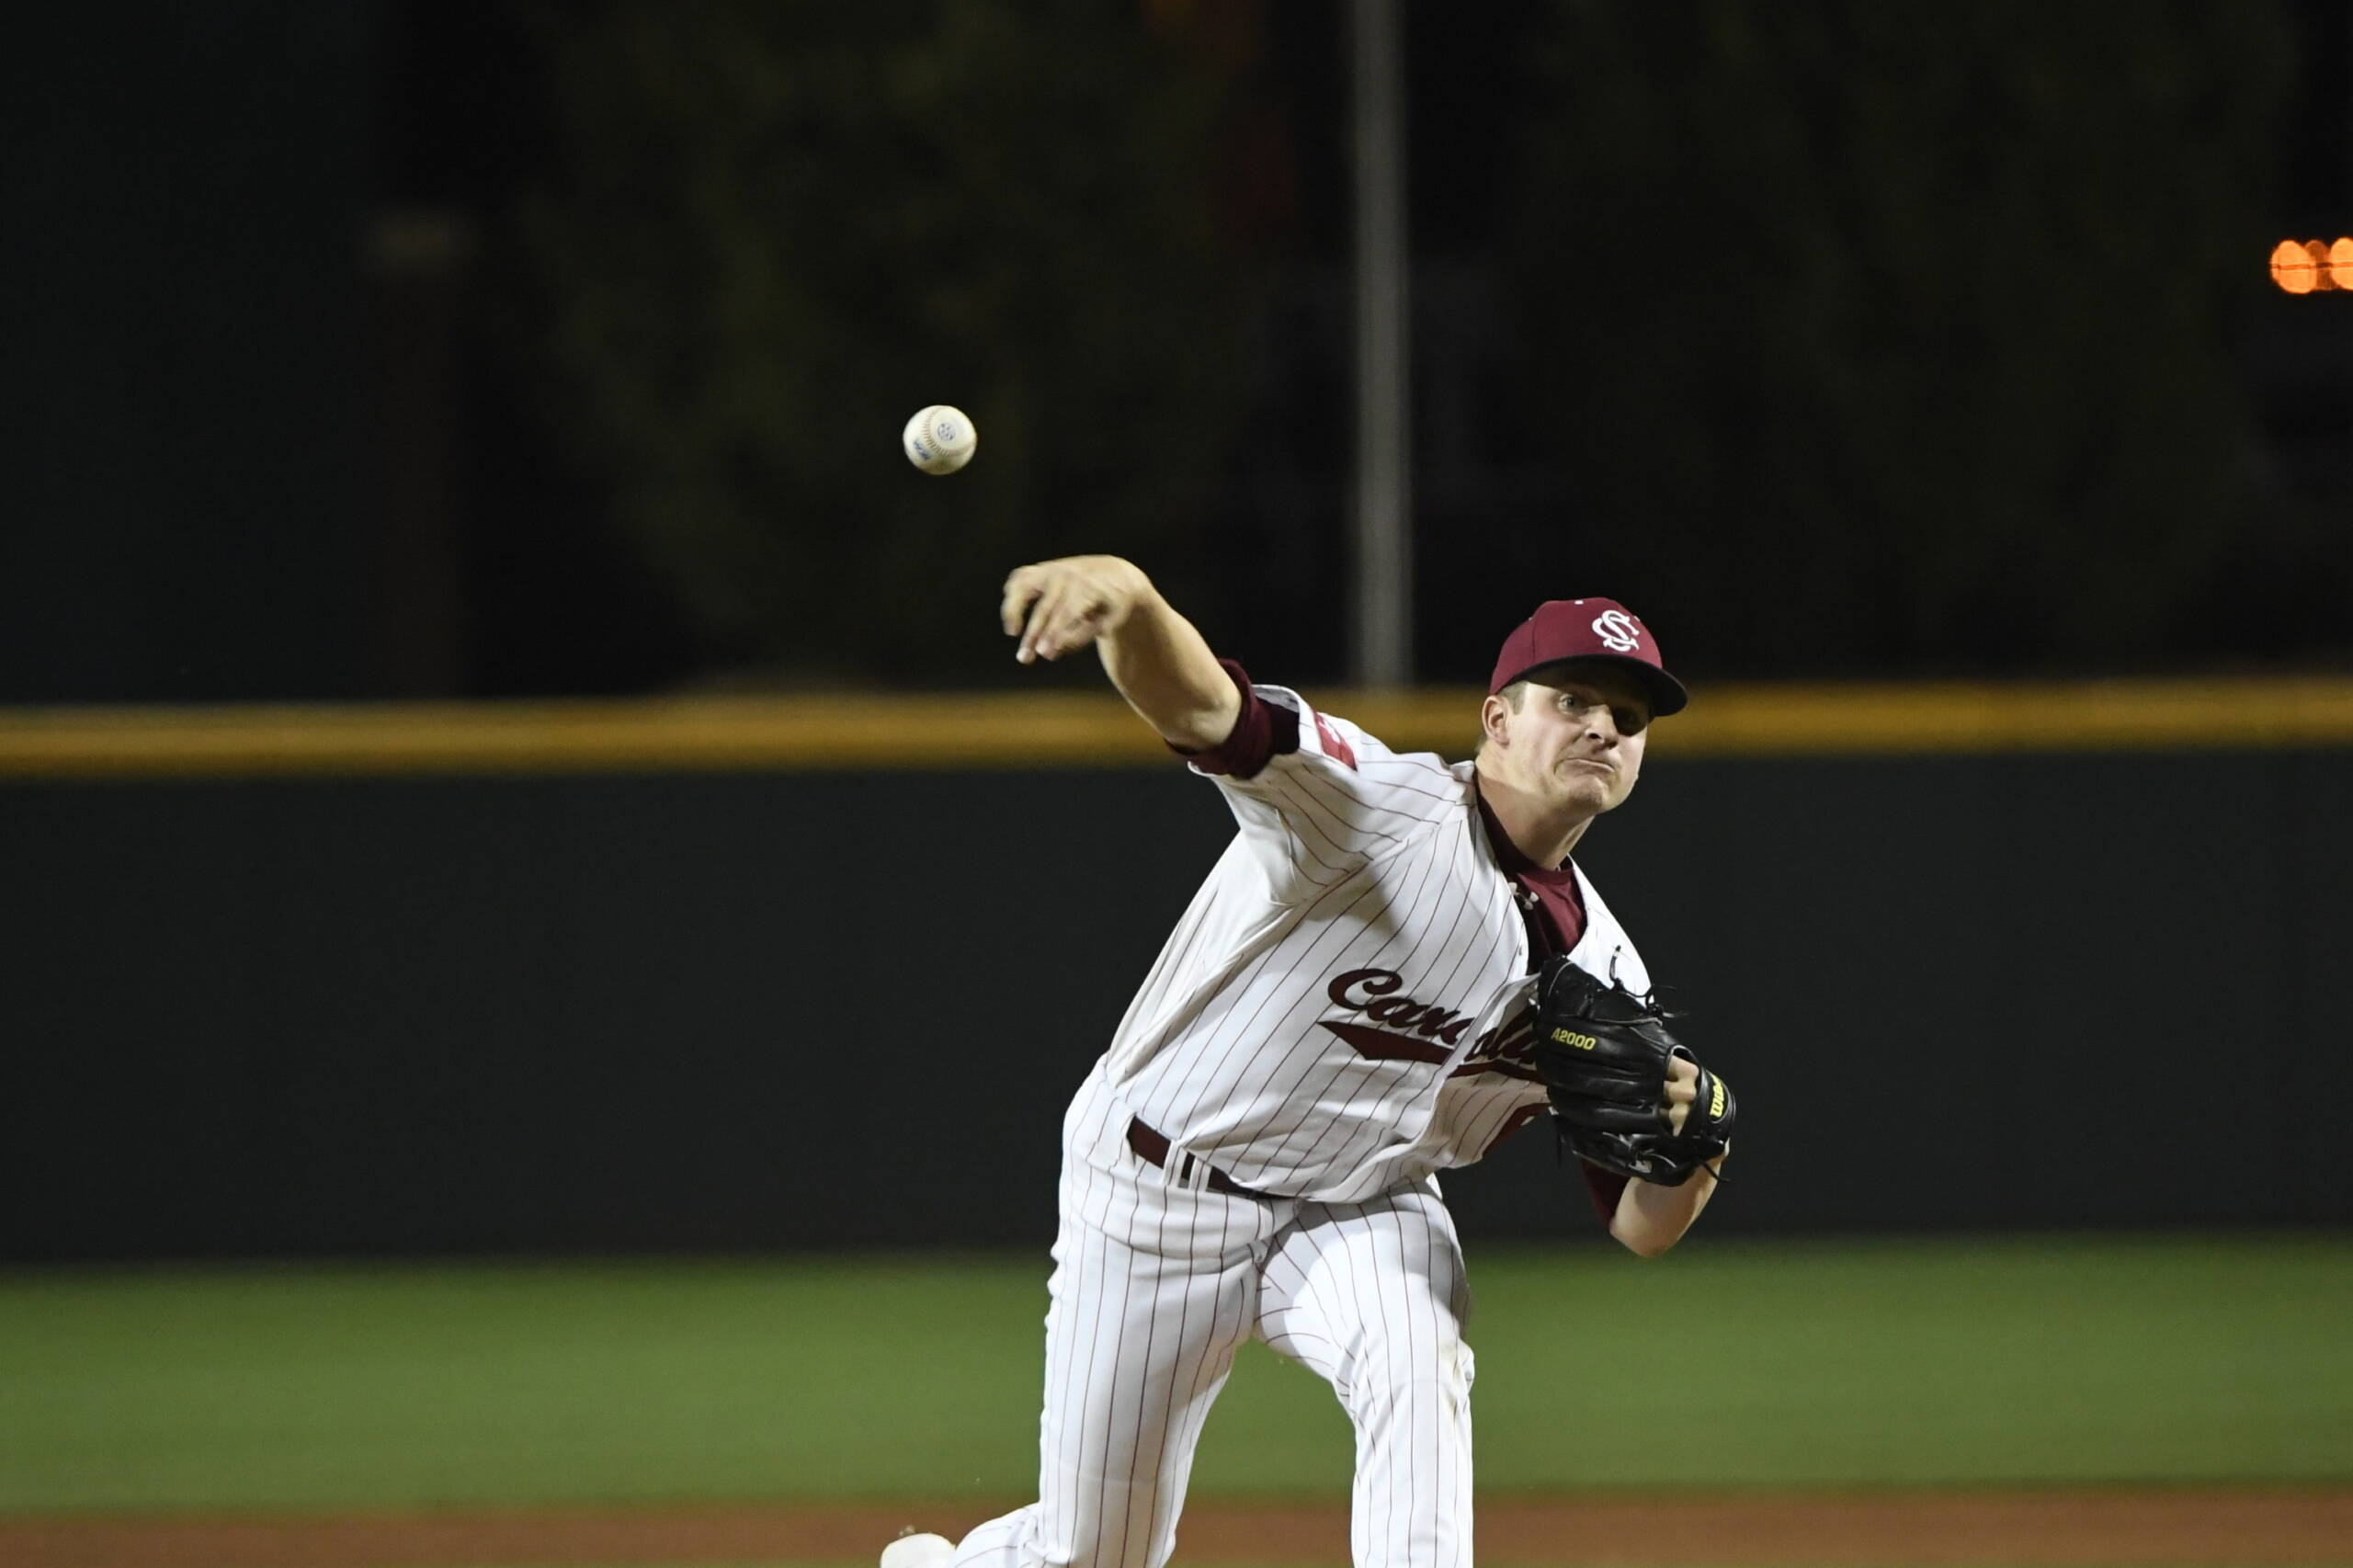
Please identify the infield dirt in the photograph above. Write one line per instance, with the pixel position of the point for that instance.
(1761, 1530)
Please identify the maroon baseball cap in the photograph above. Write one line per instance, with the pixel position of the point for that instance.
(1588, 629)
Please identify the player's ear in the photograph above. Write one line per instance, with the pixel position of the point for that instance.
(1494, 721)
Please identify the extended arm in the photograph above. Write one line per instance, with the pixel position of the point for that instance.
(1651, 1218)
(1154, 655)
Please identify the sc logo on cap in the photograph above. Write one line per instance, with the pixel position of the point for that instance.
(1618, 631)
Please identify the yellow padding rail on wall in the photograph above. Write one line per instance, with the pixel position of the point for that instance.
(1067, 730)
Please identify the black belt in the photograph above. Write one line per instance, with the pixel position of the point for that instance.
(1152, 1150)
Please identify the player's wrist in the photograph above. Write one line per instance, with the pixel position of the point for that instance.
(1140, 596)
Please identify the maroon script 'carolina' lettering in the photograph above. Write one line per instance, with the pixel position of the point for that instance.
(1413, 1030)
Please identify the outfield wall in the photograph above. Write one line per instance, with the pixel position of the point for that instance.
(757, 1006)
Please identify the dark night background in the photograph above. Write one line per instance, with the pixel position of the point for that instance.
(377, 349)
(429, 1115)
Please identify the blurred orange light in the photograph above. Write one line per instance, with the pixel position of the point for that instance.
(2292, 267)
(2305, 267)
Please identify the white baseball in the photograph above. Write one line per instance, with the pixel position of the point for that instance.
(940, 440)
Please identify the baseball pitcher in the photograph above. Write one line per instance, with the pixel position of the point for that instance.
(1394, 966)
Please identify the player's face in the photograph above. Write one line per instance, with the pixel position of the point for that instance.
(1577, 739)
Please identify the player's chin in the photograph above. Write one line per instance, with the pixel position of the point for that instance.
(1587, 792)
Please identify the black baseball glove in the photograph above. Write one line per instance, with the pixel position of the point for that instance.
(1605, 1054)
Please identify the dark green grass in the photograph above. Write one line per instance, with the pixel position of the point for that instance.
(1969, 1362)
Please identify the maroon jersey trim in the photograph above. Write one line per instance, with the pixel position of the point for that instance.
(1262, 731)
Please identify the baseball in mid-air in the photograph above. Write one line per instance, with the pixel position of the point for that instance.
(940, 440)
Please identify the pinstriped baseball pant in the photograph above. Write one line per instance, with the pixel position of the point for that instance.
(1156, 1284)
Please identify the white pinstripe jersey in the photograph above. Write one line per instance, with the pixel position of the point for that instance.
(1344, 1005)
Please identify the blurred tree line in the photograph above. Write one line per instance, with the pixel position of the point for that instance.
(500, 347)
(766, 234)
(1891, 337)
(1844, 338)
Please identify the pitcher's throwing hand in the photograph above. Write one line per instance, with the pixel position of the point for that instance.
(1060, 607)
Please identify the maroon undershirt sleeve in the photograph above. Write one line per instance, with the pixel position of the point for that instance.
(1606, 1187)
(1262, 731)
